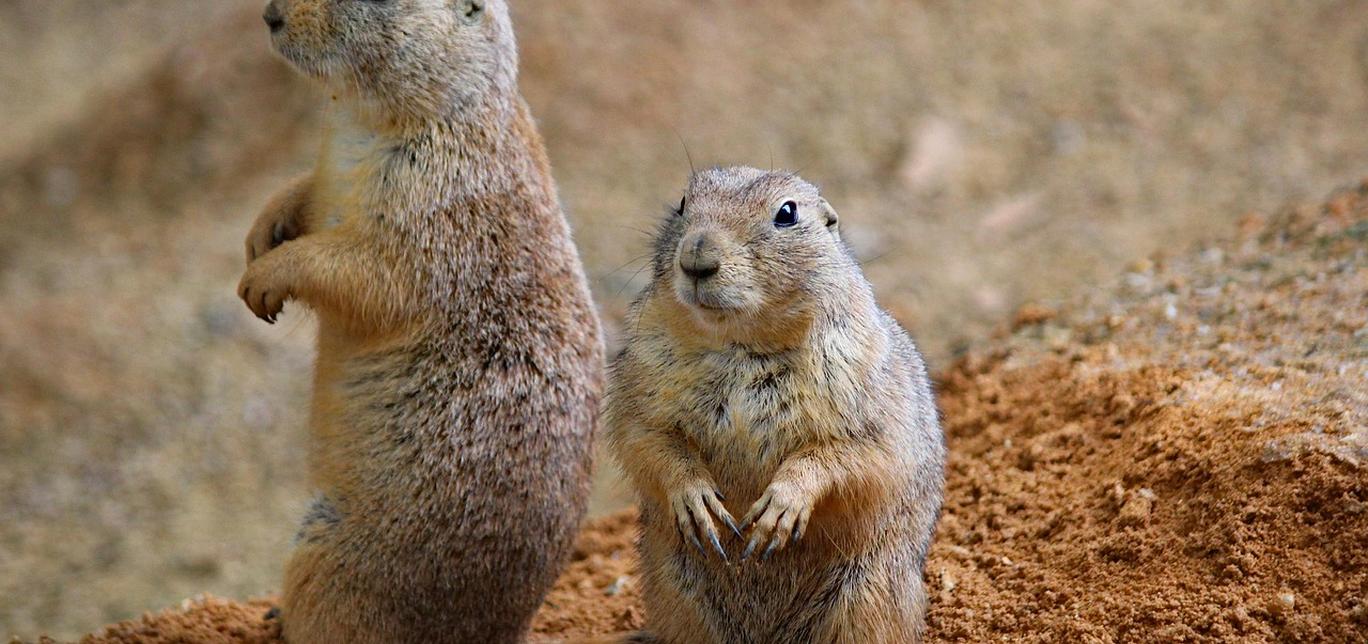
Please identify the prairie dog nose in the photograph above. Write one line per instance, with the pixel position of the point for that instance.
(699, 255)
(273, 17)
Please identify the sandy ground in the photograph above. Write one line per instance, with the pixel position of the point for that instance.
(1180, 457)
(983, 155)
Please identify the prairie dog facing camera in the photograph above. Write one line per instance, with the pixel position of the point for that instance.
(760, 379)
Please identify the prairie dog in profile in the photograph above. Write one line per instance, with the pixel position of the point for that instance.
(761, 380)
(459, 363)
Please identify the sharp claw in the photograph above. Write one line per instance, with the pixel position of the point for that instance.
(697, 544)
(694, 526)
(277, 234)
(717, 545)
(732, 524)
(770, 550)
(750, 548)
(719, 495)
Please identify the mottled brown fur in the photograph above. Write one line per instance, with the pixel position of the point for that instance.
(459, 357)
(777, 388)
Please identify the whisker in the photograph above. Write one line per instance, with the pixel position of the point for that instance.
(629, 263)
(631, 279)
(687, 154)
(634, 229)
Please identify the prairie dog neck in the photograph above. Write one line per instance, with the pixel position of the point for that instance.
(352, 159)
(368, 167)
(798, 328)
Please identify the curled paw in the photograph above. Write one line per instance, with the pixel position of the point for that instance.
(694, 507)
(264, 294)
(778, 518)
(280, 221)
(269, 232)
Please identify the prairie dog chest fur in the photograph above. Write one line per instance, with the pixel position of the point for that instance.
(747, 410)
(350, 166)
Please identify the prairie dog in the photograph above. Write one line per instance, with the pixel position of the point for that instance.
(459, 363)
(761, 380)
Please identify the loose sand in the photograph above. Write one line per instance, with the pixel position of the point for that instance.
(1180, 457)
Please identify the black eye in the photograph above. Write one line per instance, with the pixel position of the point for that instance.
(787, 215)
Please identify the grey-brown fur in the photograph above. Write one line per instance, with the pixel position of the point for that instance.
(459, 357)
(794, 397)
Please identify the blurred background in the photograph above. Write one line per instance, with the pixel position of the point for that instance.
(982, 154)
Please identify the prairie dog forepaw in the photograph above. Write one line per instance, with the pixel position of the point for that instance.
(263, 291)
(272, 228)
(779, 517)
(694, 506)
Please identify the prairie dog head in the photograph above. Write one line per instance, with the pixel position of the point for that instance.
(748, 250)
(411, 58)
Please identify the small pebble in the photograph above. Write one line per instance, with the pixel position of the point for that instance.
(614, 589)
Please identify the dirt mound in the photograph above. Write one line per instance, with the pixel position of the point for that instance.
(597, 594)
(203, 619)
(1183, 460)
(1181, 457)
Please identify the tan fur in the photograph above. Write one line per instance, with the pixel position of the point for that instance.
(459, 358)
(775, 388)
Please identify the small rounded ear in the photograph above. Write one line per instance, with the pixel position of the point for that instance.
(470, 10)
(832, 219)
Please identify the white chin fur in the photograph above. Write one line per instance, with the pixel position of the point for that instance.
(712, 301)
(306, 64)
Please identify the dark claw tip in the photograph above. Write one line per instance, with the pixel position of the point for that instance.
(717, 545)
(750, 548)
(697, 544)
(769, 551)
(274, 613)
(720, 496)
